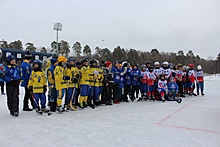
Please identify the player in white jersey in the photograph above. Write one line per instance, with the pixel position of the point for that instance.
(157, 72)
(162, 87)
(166, 70)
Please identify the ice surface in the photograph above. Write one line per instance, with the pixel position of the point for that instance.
(193, 123)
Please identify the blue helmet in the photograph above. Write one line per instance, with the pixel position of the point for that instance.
(10, 58)
(71, 59)
(53, 61)
(39, 62)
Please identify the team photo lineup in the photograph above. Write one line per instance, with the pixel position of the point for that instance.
(67, 84)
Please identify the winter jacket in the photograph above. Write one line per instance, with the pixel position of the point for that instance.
(25, 73)
(11, 73)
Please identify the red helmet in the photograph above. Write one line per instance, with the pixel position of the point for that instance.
(191, 65)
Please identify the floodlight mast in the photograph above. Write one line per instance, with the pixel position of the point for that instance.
(57, 27)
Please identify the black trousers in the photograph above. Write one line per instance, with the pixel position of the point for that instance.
(115, 91)
(28, 97)
(107, 93)
(135, 89)
(127, 91)
(12, 92)
(180, 85)
(2, 86)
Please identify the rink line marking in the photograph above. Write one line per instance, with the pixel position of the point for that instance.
(191, 129)
(178, 110)
(160, 123)
(195, 107)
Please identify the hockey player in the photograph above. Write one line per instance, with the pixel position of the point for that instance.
(185, 79)
(162, 87)
(158, 72)
(117, 76)
(2, 83)
(108, 83)
(150, 82)
(51, 84)
(166, 70)
(200, 80)
(100, 80)
(173, 91)
(60, 82)
(84, 83)
(38, 85)
(192, 78)
(72, 84)
(127, 81)
(94, 83)
(143, 83)
(148, 64)
(25, 75)
(12, 78)
(135, 75)
(179, 78)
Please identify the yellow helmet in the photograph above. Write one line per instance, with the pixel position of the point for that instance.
(61, 59)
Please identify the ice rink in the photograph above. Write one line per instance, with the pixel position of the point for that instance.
(193, 123)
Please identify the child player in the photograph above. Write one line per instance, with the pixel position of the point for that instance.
(173, 90)
(150, 81)
(143, 81)
(38, 85)
(60, 82)
(200, 80)
(162, 87)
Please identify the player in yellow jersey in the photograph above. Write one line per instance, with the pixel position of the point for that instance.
(72, 87)
(101, 79)
(84, 83)
(94, 83)
(38, 85)
(60, 82)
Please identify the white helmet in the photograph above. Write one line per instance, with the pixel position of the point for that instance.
(184, 67)
(156, 63)
(199, 67)
(165, 63)
(125, 62)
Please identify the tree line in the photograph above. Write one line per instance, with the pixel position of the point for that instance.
(210, 66)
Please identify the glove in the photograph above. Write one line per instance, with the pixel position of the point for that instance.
(31, 89)
(45, 88)
(66, 78)
(125, 65)
(77, 76)
(75, 80)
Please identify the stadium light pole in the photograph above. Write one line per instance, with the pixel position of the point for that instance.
(57, 27)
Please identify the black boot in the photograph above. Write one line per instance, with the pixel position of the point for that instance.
(16, 114)
(27, 109)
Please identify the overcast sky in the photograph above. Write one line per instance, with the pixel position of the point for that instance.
(168, 25)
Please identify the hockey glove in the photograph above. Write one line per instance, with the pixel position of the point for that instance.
(125, 65)
(75, 80)
(31, 89)
(77, 76)
(45, 88)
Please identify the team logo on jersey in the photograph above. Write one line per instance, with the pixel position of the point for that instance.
(35, 75)
(39, 78)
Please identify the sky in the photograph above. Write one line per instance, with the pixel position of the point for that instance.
(168, 25)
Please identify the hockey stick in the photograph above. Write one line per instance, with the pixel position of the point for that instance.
(71, 101)
(38, 107)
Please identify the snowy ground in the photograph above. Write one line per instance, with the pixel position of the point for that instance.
(195, 123)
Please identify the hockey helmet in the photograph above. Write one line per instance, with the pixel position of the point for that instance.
(62, 59)
(39, 62)
(199, 67)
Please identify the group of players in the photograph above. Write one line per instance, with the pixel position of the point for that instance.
(74, 85)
